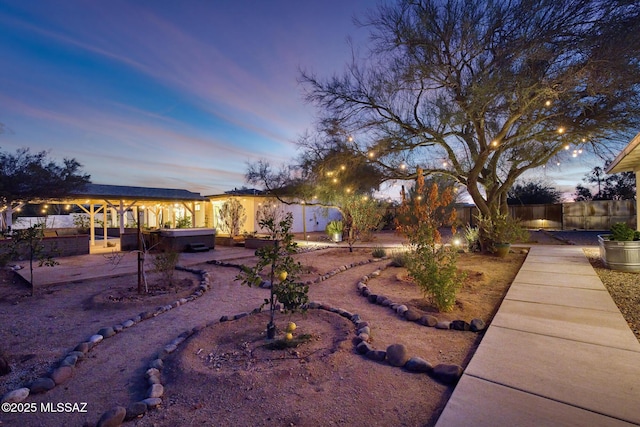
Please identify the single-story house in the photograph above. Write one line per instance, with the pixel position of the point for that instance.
(629, 161)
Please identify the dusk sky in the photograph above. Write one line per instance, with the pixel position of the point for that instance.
(176, 94)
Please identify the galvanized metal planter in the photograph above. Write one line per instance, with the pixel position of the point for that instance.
(620, 255)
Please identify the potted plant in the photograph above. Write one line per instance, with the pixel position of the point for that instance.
(498, 233)
(334, 231)
(620, 250)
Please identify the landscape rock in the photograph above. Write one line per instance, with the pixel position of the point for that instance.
(448, 374)
(78, 354)
(82, 347)
(412, 315)
(152, 402)
(156, 390)
(363, 348)
(69, 361)
(401, 309)
(41, 385)
(459, 325)
(135, 410)
(377, 355)
(16, 396)
(107, 332)
(428, 320)
(373, 298)
(364, 330)
(113, 417)
(443, 325)
(397, 355)
(477, 325)
(418, 364)
(95, 339)
(157, 364)
(62, 374)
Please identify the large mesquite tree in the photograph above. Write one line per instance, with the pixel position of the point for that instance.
(484, 90)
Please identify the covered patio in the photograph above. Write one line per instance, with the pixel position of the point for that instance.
(123, 207)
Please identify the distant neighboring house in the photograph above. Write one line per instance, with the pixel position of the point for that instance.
(306, 218)
(629, 161)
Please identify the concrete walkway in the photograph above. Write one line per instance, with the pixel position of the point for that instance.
(558, 353)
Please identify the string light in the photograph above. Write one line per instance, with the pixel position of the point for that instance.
(561, 130)
(548, 103)
(494, 143)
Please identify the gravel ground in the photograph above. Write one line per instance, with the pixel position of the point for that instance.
(623, 287)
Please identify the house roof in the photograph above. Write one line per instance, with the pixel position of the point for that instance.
(101, 191)
(628, 159)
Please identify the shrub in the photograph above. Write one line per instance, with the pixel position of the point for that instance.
(622, 232)
(472, 237)
(379, 252)
(430, 263)
(434, 270)
(399, 259)
(334, 227)
(165, 264)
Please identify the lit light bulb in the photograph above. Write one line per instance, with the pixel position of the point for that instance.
(548, 103)
(561, 130)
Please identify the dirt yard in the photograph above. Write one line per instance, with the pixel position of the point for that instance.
(224, 374)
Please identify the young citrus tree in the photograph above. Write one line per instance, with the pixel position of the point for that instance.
(275, 262)
(430, 263)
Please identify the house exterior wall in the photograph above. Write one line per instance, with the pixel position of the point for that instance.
(305, 218)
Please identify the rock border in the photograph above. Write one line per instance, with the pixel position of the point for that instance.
(66, 366)
(404, 312)
(448, 374)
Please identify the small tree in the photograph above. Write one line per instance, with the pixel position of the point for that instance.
(232, 216)
(277, 264)
(29, 240)
(431, 264)
(165, 264)
(362, 216)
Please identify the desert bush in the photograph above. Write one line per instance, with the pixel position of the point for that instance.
(430, 263)
(379, 252)
(399, 259)
(165, 264)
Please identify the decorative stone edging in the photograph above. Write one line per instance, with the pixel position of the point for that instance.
(118, 414)
(66, 367)
(395, 355)
(404, 312)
